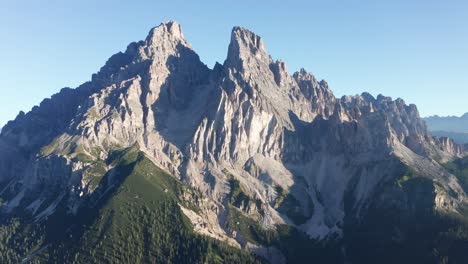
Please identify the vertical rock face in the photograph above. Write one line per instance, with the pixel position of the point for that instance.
(322, 99)
(247, 120)
(246, 51)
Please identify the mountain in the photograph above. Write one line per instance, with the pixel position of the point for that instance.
(451, 126)
(460, 138)
(448, 123)
(161, 159)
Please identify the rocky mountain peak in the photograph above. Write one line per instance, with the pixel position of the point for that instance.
(245, 47)
(169, 29)
(164, 40)
(303, 74)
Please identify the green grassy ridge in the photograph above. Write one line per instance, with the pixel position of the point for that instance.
(69, 145)
(95, 173)
(142, 216)
(136, 219)
(54, 146)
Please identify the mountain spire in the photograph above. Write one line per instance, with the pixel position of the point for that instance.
(170, 29)
(245, 45)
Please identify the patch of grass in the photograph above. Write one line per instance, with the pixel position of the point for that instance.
(84, 158)
(66, 145)
(95, 173)
(287, 204)
(408, 175)
(402, 180)
(281, 195)
(459, 168)
(237, 195)
(82, 155)
(249, 228)
(58, 145)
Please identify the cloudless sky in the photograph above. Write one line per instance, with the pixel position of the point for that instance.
(417, 49)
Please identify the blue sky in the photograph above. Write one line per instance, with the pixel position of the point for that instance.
(417, 50)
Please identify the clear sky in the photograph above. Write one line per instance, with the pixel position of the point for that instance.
(417, 50)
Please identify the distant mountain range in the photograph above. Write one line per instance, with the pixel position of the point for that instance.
(161, 159)
(449, 126)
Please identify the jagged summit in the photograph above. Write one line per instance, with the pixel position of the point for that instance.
(169, 28)
(245, 48)
(164, 40)
(255, 142)
(303, 74)
(245, 38)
